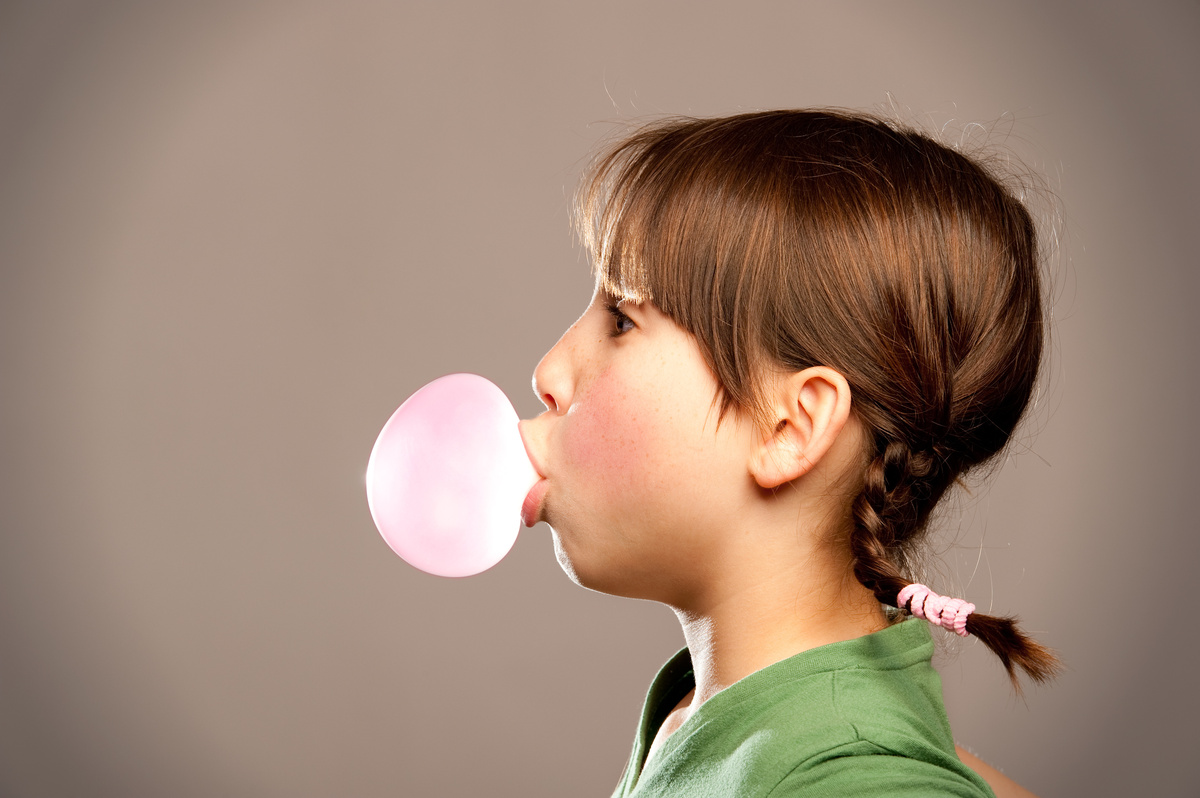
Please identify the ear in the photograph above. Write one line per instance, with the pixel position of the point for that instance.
(810, 411)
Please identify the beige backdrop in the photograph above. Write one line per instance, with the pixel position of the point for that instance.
(234, 236)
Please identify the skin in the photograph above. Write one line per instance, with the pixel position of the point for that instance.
(739, 528)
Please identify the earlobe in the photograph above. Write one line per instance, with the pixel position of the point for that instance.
(811, 409)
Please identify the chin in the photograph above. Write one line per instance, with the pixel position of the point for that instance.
(577, 571)
(598, 575)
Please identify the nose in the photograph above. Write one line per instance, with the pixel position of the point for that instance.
(553, 379)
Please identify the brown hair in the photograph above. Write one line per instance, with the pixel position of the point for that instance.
(790, 239)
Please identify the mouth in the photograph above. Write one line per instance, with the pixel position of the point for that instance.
(531, 508)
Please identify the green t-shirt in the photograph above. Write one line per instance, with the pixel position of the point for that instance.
(861, 717)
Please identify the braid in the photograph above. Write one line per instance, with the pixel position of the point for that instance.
(890, 513)
(877, 519)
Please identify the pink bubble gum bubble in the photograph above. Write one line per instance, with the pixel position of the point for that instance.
(447, 477)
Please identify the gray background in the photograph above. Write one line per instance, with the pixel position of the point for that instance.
(233, 237)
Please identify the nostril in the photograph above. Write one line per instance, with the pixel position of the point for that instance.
(551, 382)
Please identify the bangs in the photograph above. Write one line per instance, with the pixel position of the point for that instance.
(651, 213)
(687, 214)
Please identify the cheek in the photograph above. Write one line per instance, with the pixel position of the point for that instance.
(611, 441)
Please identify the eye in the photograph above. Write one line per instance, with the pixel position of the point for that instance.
(621, 323)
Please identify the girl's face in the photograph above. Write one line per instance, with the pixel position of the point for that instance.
(641, 486)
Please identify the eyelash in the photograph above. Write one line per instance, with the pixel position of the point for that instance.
(618, 319)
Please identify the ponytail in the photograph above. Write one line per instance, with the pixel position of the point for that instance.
(887, 514)
(999, 633)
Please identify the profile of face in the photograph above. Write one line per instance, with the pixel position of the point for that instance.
(641, 482)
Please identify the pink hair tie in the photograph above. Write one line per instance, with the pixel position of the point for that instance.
(944, 611)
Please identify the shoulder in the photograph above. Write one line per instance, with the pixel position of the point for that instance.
(855, 734)
(864, 771)
(864, 717)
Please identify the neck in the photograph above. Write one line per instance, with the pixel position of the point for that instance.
(779, 579)
(770, 619)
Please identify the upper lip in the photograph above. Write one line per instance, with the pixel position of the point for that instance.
(533, 458)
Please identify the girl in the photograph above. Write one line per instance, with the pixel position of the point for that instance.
(807, 326)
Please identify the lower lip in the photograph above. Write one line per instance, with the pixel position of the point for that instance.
(532, 505)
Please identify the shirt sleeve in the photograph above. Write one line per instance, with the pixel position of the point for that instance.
(880, 776)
